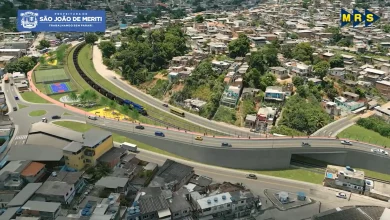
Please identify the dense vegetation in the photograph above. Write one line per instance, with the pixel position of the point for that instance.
(376, 124)
(203, 78)
(142, 53)
(304, 115)
(23, 64)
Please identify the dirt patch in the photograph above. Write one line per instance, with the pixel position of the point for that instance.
(175, 88)
(160, 76)
(147, 85)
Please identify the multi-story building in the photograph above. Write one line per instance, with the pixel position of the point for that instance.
(274, 93)
(383, 87)
(344, 178)
(44, 210)
(95, 143)
(56, 191)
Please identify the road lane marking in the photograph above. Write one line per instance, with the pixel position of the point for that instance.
(21, 137)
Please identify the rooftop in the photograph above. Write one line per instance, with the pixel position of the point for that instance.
(54, 188)
(112, 182)
(112, 154)
(355, 213)
(68, 177)
(152, 204)
(56, 131)
(33, 169)
(35, 153)
(215, 200)
(24, 194)
(42, 206)
(172, 171)
(94, 136)
(73, 147)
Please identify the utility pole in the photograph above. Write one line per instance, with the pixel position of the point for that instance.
(319, 208)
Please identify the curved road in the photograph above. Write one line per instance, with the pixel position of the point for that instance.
(156, 103)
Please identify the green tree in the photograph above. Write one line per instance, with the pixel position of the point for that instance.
(336, 61)
(112, 105)
(252, 78)
(293, 36)
(298, 81)
(386, 28)
(257, 62)
(91, 38)
(199, 19)
(266, 80)
(23, 64)
(58, 36)
(270, 54)
(108, 48)
(44, 44)
(321, 69)
(73, 96)
(239, 47)
(287, 51)
(104, 101)
(303, 52)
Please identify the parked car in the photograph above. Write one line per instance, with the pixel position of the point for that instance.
(251, 176)
(159, 133)
(305, 144)
(165, 105)
(55, 117)
(199, 138)
(341, 195)
(92, 117)
(379, 151)
(346, 142)
(140, 127)
(225, 144)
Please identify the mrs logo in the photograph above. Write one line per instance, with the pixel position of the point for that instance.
(29, 19)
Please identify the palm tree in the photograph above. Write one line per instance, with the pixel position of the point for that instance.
(73, 96)
(82, 98)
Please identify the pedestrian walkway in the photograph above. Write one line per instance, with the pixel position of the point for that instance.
(21, 137)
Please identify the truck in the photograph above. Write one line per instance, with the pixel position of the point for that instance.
(129, 147)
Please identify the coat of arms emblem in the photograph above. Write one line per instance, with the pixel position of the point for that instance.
(29, 19)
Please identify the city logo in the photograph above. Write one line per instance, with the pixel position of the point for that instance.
(29, 19)
(357, 17)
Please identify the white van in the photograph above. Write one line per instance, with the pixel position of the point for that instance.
(129, 147)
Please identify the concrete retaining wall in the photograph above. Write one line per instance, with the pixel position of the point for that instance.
(263, 158)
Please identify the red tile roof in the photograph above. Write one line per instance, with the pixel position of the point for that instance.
(32, 169)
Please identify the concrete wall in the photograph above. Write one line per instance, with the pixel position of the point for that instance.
(263, 158)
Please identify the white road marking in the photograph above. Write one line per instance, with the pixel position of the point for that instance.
(21, 137)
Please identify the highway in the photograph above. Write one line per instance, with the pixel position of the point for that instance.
(158, 104)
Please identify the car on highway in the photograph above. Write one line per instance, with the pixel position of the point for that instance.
(91, 117)
(305, 144)
(346, 143)
(15, 108)
(379, 151)
(165, 105)
(140, 127)
(225, 144)
(44, 120)
(159, 133)
(341, 195)
(198, 138)
(251, 176)
(16, 98)
(55, 117)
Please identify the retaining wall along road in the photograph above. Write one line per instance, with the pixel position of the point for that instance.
(263, 158)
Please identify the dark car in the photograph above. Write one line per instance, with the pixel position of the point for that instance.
(251, 176)
(16, 98)
(305, 144)
(55, 117)
(140, 127)
(15, 108)
(165, 105)
(92, 117)
(225, 144)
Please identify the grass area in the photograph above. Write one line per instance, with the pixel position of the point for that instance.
(85, 60)
(225, 114)
(32, 97)
(376, 175)
(37, 113)
(356, 132)
(20, 106)
(81, 127)
(295, 174)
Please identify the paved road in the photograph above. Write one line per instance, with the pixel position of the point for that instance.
(332, 129)
(156, 103)
(317, 192)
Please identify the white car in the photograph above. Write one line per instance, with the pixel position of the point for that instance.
(346, 142)
(379, 151)
(341, 195)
